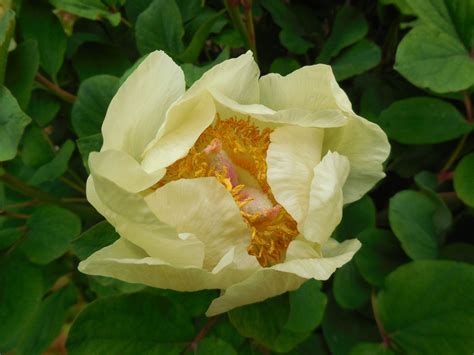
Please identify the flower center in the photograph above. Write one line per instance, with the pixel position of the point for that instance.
(234, 151)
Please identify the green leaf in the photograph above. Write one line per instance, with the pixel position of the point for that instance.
(426, 307)
(423, 120)
(50, 231)
(47, 322)
(411, 216)
(140, 323)
(464, 179)
(39, 23)
(426, 57)
(88, 145)
(21, 289)
(90, 9)
(91, 105)
(282, 322)
(189, 8)
(294, 43)
(362, 56)
(371, 349)
(94, 239)
(22, 66)
(284, 66)
(357, 217)
(344, 329)
(160, 26)
(351, 291)
(214, 346)
(7, 28)
(56, 167)
(12, 123)
(402, 5)
(107, 286)
(349, 27)
(283, 15)
(36, 150)
(43, 107)
(379, 255)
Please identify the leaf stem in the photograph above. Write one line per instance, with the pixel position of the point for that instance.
(55, 89)
(250, 27)
(202, 333)
(383, 333)
(72, 185)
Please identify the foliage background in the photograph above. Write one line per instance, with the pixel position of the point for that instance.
(407, 65)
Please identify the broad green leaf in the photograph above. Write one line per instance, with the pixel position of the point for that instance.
(411, 216)
(22, 66)
(47, 322)
(43, 107)
(107, 286)
(344, 329)
(93, 239)
(12, 123)
(160, 26)
(214, 346)
(371, 349)
(140, 323)
(21, 289)
(50, 231)
(283, 15)
(435, 60)
(362, 56)
(426, 307)
(189, 8)
(230, 38)
(134, 8)
(464, 179)
(402, 5)
(423, 120)
(8, 234)
(195, 303)
(357, 217)
(89, 144)
(39, 23)
(36, 150)
(89, 9)
(379, 255)
(91, 105)
(284, 66)
(7, 27)
(349, 27)
(293, 42)
(351, 291)
(56, 167)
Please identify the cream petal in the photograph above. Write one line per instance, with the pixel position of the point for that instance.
(138, 108)
(291, 157)
(204, 208)
(304, 262)
(185, 122)
(95, 201)
(311, 87)
(326, 198)
(366, 146)
(236, 78)
(123, 170)
(263, 284)
(127, 262)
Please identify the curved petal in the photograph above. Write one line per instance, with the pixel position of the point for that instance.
(204, 208)
(185, 122)
(138, 108)
(366, 146)
(291, 157)
(263, 284)
(302, 260)
(123, 170)
(326, 198)
(311, 87)
(127, 262)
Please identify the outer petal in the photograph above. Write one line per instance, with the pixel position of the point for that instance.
(304, 261)
(263, 284)
(123, 170)
(125, 261)
(138, 109)
(204, 208)
(184, 124)
(366, 146)
(291, 157)
(326, 198)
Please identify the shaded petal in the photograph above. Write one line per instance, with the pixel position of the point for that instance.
(127, 262)
(123, 170)
(304, 261)
(202, 207)
(326, 198)
(263, 284)
(366, 146)
(138, 109)
(185, 122)
(291, 157)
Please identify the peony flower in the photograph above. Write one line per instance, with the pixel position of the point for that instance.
(235, 184)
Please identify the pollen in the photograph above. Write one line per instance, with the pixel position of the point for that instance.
(234, 152)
